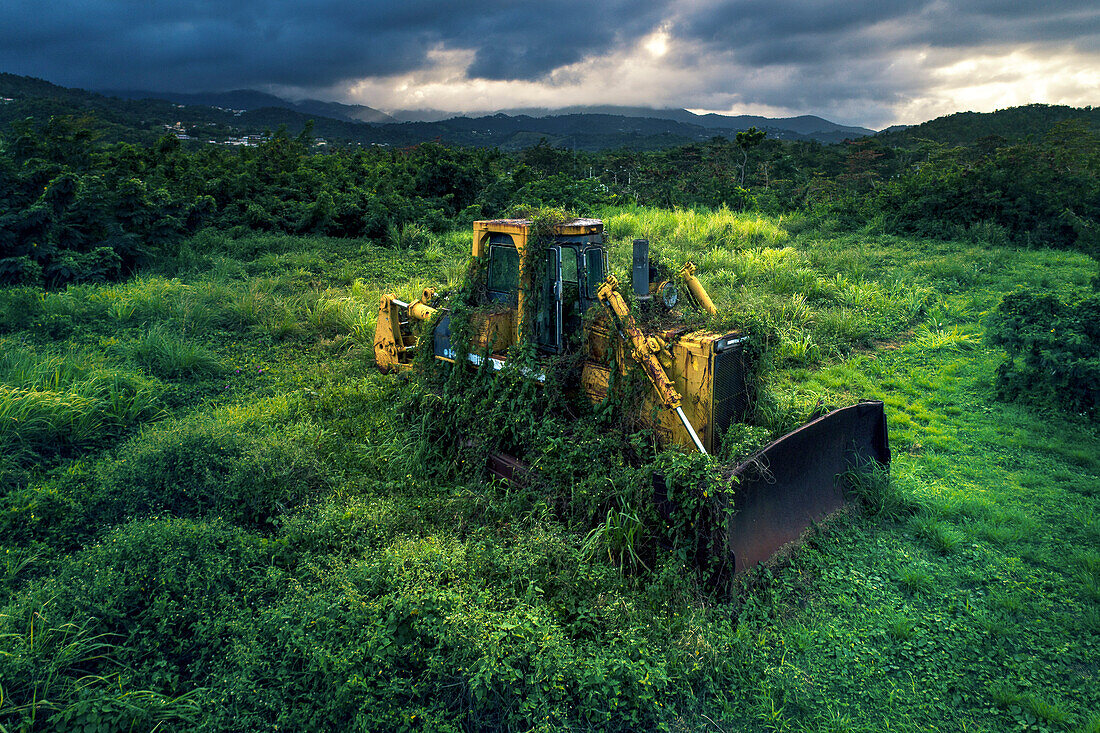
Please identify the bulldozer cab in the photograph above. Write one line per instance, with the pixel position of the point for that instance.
(574, 267)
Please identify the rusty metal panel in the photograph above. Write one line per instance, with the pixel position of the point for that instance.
(793, 481)
(509, 468)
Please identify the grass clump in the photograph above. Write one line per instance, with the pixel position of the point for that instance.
(942, 538)
(52, 401)
(879, 496)
(916, 580)
(169, 355)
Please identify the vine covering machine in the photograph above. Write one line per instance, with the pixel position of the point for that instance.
(540, 287)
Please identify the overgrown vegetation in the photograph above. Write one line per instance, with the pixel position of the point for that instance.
(1053, 350)
(215, 514)
(73, 210)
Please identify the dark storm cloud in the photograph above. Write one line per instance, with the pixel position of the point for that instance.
(862, 56)
(202, 44)
(798, 32)
(803, 31)
(795, 54)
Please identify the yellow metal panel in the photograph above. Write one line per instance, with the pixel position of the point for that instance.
(494, 330)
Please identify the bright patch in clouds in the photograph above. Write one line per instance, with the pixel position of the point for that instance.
(638, 76)
(657, 44)
(992, 80)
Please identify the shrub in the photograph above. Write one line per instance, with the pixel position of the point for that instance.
(208, 466)
(98, 266)
(1053, 350)
(153, 600)
(19, 306)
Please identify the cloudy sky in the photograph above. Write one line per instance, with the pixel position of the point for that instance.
(865, 62)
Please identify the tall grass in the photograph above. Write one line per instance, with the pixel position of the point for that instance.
(167, 355)
(43, 655)
(53, 400)
(753, 273)
(682, 232)
(68, 673)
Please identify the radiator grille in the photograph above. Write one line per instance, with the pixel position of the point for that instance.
(730, 397)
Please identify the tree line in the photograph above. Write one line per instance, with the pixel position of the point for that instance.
(73, 208)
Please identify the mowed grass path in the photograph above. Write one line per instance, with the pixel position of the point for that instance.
(978, 608)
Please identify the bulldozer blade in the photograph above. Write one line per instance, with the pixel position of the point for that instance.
(793, 482)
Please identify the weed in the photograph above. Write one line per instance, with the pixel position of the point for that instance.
(1026, 708)
(621, 536)
(407, 236)
(953, 339)
(916, 580)
(901, 629)
(880, 496)
(942, 538)
(41, 652)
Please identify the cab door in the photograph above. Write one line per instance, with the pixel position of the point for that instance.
(548, 315)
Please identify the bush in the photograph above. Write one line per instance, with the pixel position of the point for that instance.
(208, 466)
(153, 601)
(1053, 350)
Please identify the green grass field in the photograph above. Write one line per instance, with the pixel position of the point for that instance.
(214, 516)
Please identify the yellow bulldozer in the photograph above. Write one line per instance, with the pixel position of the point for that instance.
(540, 288)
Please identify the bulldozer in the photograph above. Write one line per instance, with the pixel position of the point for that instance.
(539, 286)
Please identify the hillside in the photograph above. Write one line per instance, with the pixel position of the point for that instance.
(134, 116)
(248, 99)
(1014, 124)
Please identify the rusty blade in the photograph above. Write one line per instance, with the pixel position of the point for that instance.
(793, 481)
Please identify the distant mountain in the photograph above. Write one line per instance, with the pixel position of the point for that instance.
(421, 115)
(249, 99)
(786, 128)
(222, 116)
(789, 128)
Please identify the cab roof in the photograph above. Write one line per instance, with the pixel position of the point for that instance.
(572, 226)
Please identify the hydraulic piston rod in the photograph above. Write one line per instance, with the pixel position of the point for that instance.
(644, 352)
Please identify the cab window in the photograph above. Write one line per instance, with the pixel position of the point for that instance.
(569, 264)
(503, 273)
(594, 270)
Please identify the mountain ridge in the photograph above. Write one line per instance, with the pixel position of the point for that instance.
(235, 114)
(249, 99)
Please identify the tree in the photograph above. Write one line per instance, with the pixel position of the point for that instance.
(747, 140)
